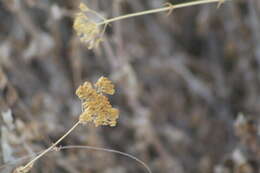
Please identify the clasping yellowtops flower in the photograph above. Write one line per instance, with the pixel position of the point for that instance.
(96, 107)
(87, 29)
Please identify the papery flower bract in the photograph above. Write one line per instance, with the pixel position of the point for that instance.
(96, 106)
(85, 91)
(105, 85)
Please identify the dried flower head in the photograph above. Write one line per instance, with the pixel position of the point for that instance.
(96, 107)
(88, 30)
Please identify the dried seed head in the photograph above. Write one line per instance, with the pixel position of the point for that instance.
(96, 106)
(105, 85)
(88, 30)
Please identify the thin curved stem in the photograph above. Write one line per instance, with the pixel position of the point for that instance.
(84, 147)
(29, 164)
(108, 150)
(170, 7)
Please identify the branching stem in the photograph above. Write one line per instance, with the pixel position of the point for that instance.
(168, 8)
(29, 164)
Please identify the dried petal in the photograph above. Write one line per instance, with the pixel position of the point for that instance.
(105, 85)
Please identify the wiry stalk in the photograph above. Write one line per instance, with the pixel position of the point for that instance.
(29, 164)
(168, 8)
(108, 150)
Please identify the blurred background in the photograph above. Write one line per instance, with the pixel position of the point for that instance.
(187, 87)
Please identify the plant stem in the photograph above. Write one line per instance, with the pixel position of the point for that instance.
(108, 150)
(51, 147)
(170, 7)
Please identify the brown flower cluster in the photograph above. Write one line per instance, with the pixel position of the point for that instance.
(87, 29)
(96, 107)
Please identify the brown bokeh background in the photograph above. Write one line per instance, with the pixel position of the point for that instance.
(187, 87)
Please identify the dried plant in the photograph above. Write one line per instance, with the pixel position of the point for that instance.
(91, 32)
(88, 30)
(20, 169)
(96, 109)
(96, 106)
